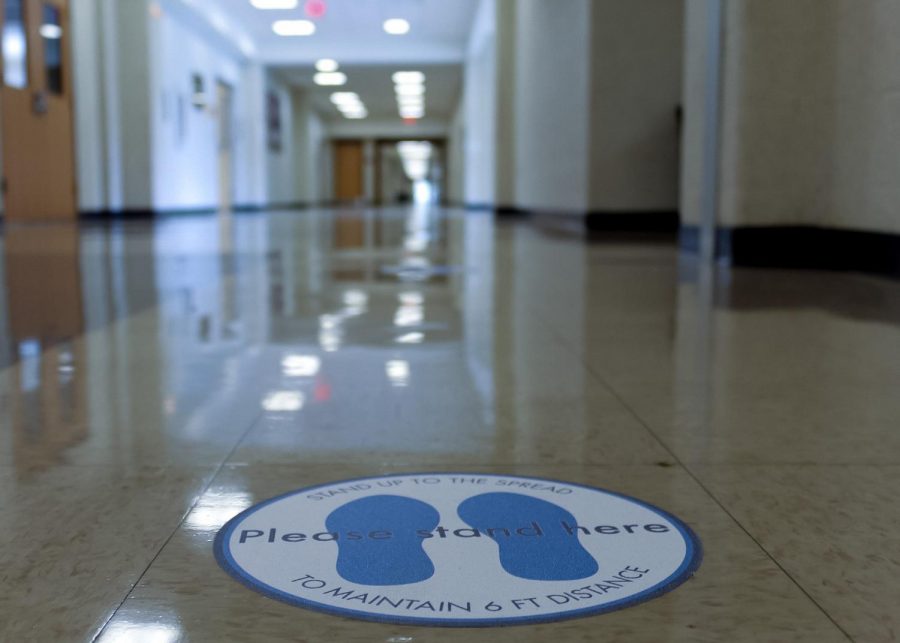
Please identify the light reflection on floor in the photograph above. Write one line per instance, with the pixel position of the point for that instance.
(158, 378)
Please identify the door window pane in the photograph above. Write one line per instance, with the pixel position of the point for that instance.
(52, 35)
(15, 45)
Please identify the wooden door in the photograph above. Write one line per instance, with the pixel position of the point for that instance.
(348, 171)
(36, 124)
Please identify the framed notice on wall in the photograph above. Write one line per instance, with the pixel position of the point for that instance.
(273, 121)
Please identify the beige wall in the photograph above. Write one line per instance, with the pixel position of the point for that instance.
(636, 72)
(810, 105)
(591, 123)
(551, 104)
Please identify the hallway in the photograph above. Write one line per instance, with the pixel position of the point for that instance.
(159, 377)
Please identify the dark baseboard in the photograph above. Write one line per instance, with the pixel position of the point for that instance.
(653, 221)
(499, 210)
(656, 221)
(804, 247)
(509, 211)
(149, 213)
(128, 213)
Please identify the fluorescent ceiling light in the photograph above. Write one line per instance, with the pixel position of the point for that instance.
(409, 78)
(330, 78)
(412, 112)
(327, 65)
(268, 5)
(355, 112)
(409, 90)
(51, 32)
(410, 100)
(396, 26)
(343, 98)
(294, 27)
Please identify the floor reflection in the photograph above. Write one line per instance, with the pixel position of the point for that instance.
(136, 341)
(46, 389)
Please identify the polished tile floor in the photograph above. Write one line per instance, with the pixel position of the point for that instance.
(157, 379)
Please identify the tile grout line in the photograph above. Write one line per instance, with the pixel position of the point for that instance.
(602, 380)
(212, 478)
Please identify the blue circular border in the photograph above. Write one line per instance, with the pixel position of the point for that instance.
(691, 563)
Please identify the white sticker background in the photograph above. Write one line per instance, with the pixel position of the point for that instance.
(467, 570)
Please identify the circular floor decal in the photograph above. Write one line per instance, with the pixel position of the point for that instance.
(458, 549)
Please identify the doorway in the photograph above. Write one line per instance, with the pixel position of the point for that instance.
(349, 182)
(36, 123)
(410, 171)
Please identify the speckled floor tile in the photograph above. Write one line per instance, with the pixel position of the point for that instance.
(738, 594)
(834, 529)
(73, 541)
(137, 359)
(814, 420)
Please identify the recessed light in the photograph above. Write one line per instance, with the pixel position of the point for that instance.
(51, 32)
(409, 90)
(327, 65)
(412, 113)
(396, 26)
(294, 27)
(345, 98)
(268, 5)
(409, 78)
(330, 78)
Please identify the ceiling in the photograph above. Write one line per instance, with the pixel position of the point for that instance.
(351, 30)
(376, 89)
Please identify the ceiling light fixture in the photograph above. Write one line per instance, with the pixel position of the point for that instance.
(408, 78)
(51, 32)
(294, 27)
(396, 26)
(330, 78)
(412, 112)
(327, 65)
(350, 105)
(410, 90)
(343, 98)
(270, 5)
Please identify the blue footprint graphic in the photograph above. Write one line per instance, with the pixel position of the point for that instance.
(398, 560)
(551, 556)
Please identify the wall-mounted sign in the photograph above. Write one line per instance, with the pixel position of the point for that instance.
(460, 549)
(273, 121)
